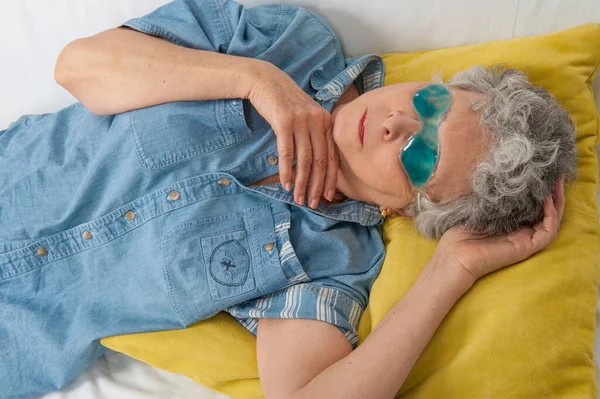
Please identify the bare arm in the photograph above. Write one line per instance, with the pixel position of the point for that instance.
(121, 69)
(312, 359)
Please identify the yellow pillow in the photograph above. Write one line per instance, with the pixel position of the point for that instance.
(524, 332)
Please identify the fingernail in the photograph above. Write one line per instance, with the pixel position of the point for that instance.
(300, 200)
(287, 186)
(330, 194)
(313, 203)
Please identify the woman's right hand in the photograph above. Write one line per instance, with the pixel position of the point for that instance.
(303, 130)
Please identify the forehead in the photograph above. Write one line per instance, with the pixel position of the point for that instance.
(461, 114)
(461, 144)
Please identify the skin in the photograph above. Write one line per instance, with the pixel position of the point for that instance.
(120, 70)
(390, 121)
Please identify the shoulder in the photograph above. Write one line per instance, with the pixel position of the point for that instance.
(294, 39)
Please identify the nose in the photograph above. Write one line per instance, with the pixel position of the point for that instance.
(399, 125)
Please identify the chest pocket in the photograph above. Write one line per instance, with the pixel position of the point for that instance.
(173, 132)
(214, 263)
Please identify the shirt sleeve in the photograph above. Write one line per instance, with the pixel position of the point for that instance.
(336, 294)
(297, 41)
(199, 24)
(311, 300)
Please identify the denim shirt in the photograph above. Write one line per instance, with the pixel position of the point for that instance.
(143, 221)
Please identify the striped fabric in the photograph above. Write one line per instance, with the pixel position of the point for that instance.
(372, 69)
(302, 299)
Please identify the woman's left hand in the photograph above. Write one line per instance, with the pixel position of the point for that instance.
(479, 255)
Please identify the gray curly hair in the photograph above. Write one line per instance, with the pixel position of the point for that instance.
(533, 145)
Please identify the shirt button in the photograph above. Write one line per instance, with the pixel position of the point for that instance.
(42, 251)
(174, 195)
(272, 160)
(224, 181)
(86, 234)
(130, 215)
(269, 246)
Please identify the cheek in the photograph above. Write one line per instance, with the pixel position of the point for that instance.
(386, 173)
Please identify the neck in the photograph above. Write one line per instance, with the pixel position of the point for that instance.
(350, 94)
(342, 187)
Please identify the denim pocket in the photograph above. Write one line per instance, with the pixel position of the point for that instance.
(211, 264)
(173, 132)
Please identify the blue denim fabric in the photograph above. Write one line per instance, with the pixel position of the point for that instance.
(142, 221)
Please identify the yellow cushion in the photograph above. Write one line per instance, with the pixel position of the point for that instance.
(524, 332)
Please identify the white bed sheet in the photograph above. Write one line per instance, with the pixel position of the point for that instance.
(117, 376)
(32, 33)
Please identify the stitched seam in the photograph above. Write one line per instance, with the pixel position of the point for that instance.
(279, 30)
(167, 237)
(153, 30)
(589, 86)
(74, 233)
(224, 22)
(169, 283)
(333, 36)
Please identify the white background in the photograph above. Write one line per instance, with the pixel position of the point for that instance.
(32, 33)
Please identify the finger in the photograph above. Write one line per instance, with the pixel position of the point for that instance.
(319, 163)
(559, 198)
(303, 162)
(285, 150)
(333, 163)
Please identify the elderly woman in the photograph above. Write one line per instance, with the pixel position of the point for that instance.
(169, 193)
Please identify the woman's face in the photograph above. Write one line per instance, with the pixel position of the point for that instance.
(371, 170)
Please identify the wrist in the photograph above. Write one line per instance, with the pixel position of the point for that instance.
(252, 73)
(456, 276)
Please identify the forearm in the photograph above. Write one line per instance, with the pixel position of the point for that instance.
(121, 69)
(379, 367)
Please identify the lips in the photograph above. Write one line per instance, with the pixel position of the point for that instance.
(361, 128)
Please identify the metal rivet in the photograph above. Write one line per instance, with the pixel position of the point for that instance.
(174, 195)
(42, 251)
(272, 160)
(86, 234)
(224, 181)
(269, 246)
(130, 215)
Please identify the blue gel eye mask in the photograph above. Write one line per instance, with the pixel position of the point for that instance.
(420, 152)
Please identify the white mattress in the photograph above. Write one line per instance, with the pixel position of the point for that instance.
(32, 33)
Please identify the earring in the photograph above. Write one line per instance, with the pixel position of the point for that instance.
(383, 214)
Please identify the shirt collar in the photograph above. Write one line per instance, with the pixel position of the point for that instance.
(373, 72)
(350, 210)
(368, 72)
